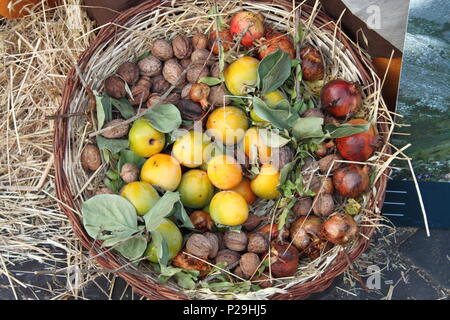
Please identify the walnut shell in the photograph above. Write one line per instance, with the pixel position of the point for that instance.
(139, 95)
(90, 158)
(160, 85)
(185, 63)
(263, 281)
(199, 41)
(117, 132)
(173, 72)
(249, 263)
(303, 206)
(196, 72)
(150, 66)
(145, 82)
(202, 56)
(252, 222)
(322, 185)
(214, 70)
(173, 98)
(257, 243)
(236, 241)
(129, 72)
(189, 109)
(202, 220)
(228, 256)
(214, 241)
(238, 271)
(129, 172)
(184, 261)
(115, 87)
(162, 50)
(181, 46)
(218, 96)
(198, 245)
(186, 90)
(280, 157)
(323, 205)
(326, 162)
(152, 100)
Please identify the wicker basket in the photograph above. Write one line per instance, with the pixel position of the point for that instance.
(343, 58)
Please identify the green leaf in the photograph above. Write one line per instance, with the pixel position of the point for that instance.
(185, 280)
(300, 34)
(160, 210)
(108, 217)
(162, 249)
(113, 185)
(278, 118)
(210, 81)
(273, 71)
(271, 139)
(113, 145)
(164, 117)
(128, 156)
(181, 215)
(286, 170)
(310, 127)
(124, 106)
(100, 110)
(345, 130)
(142, 56)
(133, 248)
(284, 214)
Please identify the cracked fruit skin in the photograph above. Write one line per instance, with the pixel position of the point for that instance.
(229, 208)
(224, 172)
(245, 190)
(145, 140)
(163, 171)
(227, 124)
(250, 21)
(253, 143)
(141, 194)
(173, 237)
(195, 189)
(241, 74)
(189, 149)
(266, 182)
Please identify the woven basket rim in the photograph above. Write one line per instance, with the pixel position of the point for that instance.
(147, 287)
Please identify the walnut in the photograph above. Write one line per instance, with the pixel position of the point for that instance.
(218, 95)
(162, 50)
(196, 72)
(228, 256)
(236, 241)
(181, 46)
(173, 72)
(129, 172)
(257, 243)
(326, 162)
(263, 281)
(160, 85)
(303, 206)
(184, 261)
(90, 158)
(198, 245)
(252, 222)
(215, 70)
(199, 41)
(117, 132)
(202, 56)
(150, 66)
(152, 100)
(322, 185)
(249, 263)
(185, 91)
(173, 98)
(145, 82)
(239, 273)
(280, 157)
(189, 109)
(202, 221)
(314, 112)
(185, 63)
(139, 95)
(115, 87)
(214, 241)
(129, 72)
(323, 205)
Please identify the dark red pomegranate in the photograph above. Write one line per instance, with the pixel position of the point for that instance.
(284, 258)
(341, 98)
(312, 64)
(351, 180)
(359, 146)
(340, 228)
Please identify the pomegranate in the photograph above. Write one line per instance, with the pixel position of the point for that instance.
(341, 98)
(199, 93)
(248, 22)
(359, 146)
(340, 228)
(226, 40)
(274, 42)
(284, 259)
(351, 180)
(312, 64)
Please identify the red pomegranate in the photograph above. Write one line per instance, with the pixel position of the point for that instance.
(359, 146)
(312, 64)
(351, 180)
(341, 98)
(226, 40)
(246, 20)
(274, 42)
